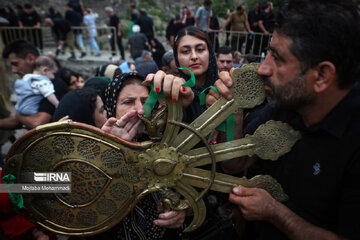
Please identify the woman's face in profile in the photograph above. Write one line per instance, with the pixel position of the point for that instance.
(73, 83)
(132, 96)
(193, 53)
(80, 82)
(99, 114)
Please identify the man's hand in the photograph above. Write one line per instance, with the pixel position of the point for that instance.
(255, 203)
(222, 85)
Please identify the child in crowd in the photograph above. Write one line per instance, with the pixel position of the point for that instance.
(32, 88)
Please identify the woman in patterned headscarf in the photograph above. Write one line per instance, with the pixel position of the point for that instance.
(124, 98)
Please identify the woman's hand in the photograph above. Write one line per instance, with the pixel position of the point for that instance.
(171, 86)
(126, 127)
(172, 219)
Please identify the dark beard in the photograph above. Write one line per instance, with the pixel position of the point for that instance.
(292, 96)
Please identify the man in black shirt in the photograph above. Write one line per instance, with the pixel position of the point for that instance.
(311, 78)
(254, 16)
(146, 24)
(175, 28)
(21, 55)
(30, 18)
(115, 22)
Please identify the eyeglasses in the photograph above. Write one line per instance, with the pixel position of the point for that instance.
(227, 61)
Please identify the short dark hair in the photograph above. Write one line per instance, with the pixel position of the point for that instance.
(207, 2)
(223, 50)
(27, 6)
(142, 12)
(250, 58)
(333, 35)
(20, 48)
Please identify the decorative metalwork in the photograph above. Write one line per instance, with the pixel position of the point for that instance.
(110, 175)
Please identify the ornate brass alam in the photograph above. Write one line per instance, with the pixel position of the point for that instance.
(110, 175)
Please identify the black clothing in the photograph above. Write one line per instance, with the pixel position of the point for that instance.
(168, 29)
(60, 90)
(254, 17)
(190, 21)
(98, 83)
(320, 174)
(29, 20)
(268, 22)
(214, 24)
(75, 20)
(32, 35)
(13, 22)
(157, 52)
(146, 26)
(114, 22)
(75, 4)
(61, 27)
(78, 107)
(11, 17)
(176, 27)
(137, 42)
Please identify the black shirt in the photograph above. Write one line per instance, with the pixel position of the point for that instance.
(29, 20)
(75, 19)
(114, 22)
(146, 26)
(60, 89)
(321, 172)
(254, 17)
(176, 27)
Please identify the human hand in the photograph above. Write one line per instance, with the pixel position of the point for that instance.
(126, 127)
(255, 203)
(39, 235)
(64, 118)
(222, 85)
(171, 86)
(171, 219)
(119, 34)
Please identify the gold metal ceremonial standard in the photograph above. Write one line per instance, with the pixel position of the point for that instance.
(110, 175)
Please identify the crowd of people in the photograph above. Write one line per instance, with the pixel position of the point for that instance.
(310, 76)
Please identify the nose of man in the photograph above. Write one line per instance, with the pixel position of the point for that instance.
(265, 68)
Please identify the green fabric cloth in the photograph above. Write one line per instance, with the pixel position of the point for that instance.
(15, 198)
(154, 96)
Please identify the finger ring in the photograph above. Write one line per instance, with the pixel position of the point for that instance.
(117, 124)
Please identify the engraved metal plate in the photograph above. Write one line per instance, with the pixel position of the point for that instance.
(110, 175)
